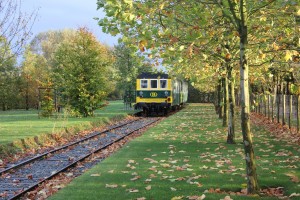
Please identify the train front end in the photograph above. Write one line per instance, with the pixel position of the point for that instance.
(153, 93)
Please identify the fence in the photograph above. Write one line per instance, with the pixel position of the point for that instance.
(129, 99)
(279, 108)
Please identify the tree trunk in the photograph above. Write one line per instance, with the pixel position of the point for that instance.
(226, 100)
(27, 97)
(231, 118)
(252, 184)
(220, 110)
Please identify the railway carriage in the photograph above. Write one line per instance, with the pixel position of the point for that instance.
(157, 92)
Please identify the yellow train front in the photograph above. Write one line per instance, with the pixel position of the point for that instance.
(157, 92)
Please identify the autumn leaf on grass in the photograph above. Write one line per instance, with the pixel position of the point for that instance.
(165, 165)
(151, 160)
(295, 195)
(111, 186)
(180, 179)
(227, 198)
(132, 190)
(177, 198)
(148, 180)
(196, 197)
(135, 178)
(130, 166)
(293, 177)
(148, 187)
(95, 175)
(203, 167)
(131, 161)
(141, 198)
(173, 189)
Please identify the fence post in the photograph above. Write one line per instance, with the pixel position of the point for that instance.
(258, 101)
(265, 105)
(278, 108)
(272, 107)
(283, 109)
(268, 105)
(297, 111)
(290, 110)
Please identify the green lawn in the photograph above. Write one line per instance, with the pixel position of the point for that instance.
(22, 124)
(186, 156)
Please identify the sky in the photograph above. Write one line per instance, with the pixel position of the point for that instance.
(61, 14)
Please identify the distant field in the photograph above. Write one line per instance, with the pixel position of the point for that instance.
(19, 124)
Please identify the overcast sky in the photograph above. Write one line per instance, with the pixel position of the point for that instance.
(61, 14)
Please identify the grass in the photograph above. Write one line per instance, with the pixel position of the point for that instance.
(20, 124)
(184, 156)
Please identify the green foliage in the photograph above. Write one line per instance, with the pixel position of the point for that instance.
(128, 64)
(47, 104)
(9, 96)
(82, 72)
(295, 89)
(38, 64)
(202, 35)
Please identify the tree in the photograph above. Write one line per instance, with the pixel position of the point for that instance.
(39, 63)
(128, 65)
(82, 71)
(8, 80)
(15, 27)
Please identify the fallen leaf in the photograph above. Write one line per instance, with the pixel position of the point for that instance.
(294, 178)
(95, 175)
(196, 197)
(227, 198)
(29, 176)
(135, 178)
(4, 194)
(173, 189)
(141, 198)
(132, 190)
(295, 195)
(180, 179)
(148, 180)
(165, 165)
(177, 198)
(111, 186)
(204, 167)
(151, 160)
(148, 187)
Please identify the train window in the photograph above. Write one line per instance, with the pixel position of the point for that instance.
(144, 83)
(153, 83)
(163, 83)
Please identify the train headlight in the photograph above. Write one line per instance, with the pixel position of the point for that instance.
(141, 94)
(166, 94)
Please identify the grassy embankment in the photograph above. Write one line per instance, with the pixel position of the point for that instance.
(20, 127)
(184, 157)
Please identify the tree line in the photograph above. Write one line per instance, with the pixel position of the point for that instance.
(68, 69)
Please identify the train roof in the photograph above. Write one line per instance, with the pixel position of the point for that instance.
(153, 75)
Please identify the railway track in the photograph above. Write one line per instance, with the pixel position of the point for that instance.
(22, 177)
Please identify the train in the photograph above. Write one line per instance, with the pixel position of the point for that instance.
(159, 93)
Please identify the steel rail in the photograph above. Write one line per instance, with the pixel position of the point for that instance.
(95, 134)
(18, 195)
